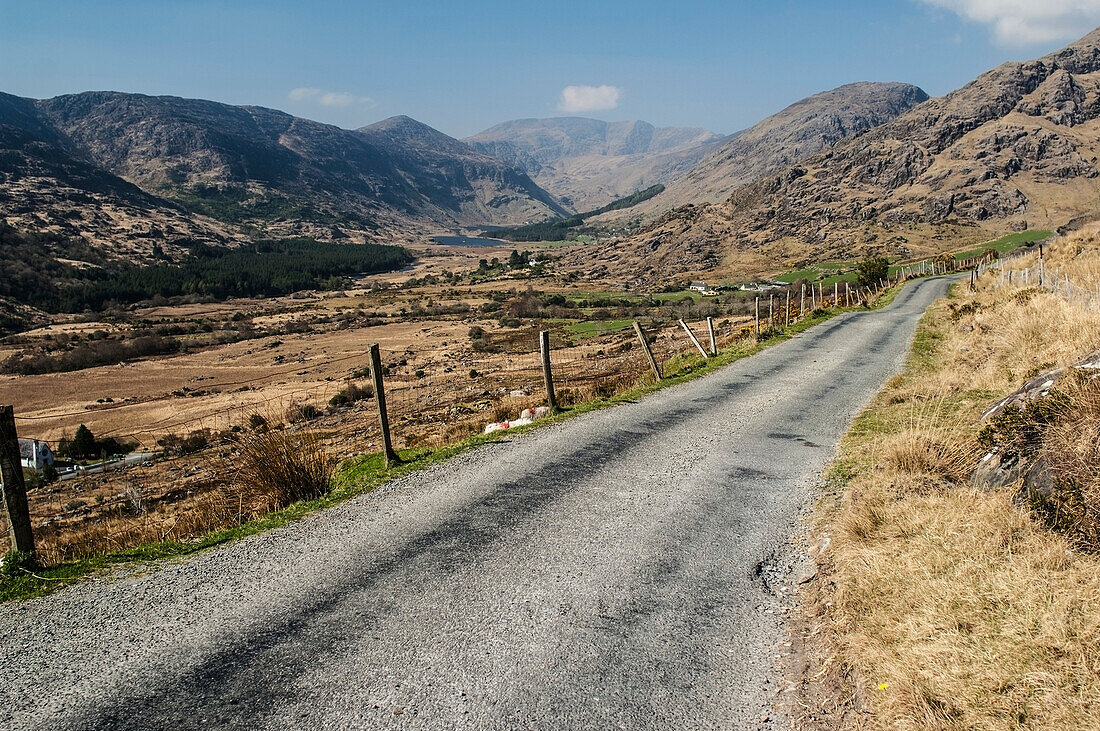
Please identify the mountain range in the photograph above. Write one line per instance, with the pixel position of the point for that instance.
(587, 163)
(1018, 147)
(123, 170)
(864, 168)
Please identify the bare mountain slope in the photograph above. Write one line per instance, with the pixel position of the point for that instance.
(1018, 146)
(455, 177)
(800, 130)
(45, 188)
(261, 167)
(587, 163)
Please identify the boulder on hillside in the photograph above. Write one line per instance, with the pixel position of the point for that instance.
(1014, 428)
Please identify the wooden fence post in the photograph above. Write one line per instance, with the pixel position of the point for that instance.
(836, 294)
(771, 311)
(694, 340)
(646, 350)
(802, 302)
(547, 373)
(758, 314)
(847, 295)
(787, 310)
(15, 490)
(713, 342)
(380, 399)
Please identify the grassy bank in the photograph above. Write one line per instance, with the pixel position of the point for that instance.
(937, 605)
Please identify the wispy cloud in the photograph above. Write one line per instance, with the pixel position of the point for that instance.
(589, 98)
(1024, 22)
(335, 99)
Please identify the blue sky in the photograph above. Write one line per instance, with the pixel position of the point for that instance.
(464, 66)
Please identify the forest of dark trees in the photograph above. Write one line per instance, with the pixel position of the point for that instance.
(31, 274)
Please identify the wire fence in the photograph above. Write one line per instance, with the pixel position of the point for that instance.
(1007, 272)
(434, 397)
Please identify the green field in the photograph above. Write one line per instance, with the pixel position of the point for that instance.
(590, 329)
(824, 273)
(1008, 243)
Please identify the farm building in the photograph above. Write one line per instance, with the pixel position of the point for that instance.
(34, 454)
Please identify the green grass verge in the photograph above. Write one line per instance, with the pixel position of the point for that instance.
(360, 475)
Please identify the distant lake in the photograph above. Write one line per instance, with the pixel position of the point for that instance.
(468, 241)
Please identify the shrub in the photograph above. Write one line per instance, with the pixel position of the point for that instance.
(196, 441)
(1071, 448)
(278, 468)
(351, 393)
(870, 271)
(297, 413)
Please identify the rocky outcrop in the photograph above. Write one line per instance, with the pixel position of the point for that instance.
(1014, 428)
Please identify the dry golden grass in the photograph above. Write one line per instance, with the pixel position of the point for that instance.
(942, 606)
(278, 467)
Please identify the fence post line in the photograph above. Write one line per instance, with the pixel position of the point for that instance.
(646, 350)
(15, 489)
(380, 399)
(547, 373)
(710, 331)
(757, 314)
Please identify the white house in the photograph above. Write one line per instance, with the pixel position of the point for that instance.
(698, 286)
(34, 454)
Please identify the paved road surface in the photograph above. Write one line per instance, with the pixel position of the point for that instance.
(626, 569)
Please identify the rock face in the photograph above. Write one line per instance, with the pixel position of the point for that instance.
(1015, 425)
(587, 163)
(46, 189)
(249, 165)
(1018, 143)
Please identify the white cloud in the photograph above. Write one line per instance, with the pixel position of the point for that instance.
(589, 98)
(337, 99)
(1023, 22)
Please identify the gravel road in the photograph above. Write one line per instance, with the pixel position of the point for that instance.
(629, 568)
